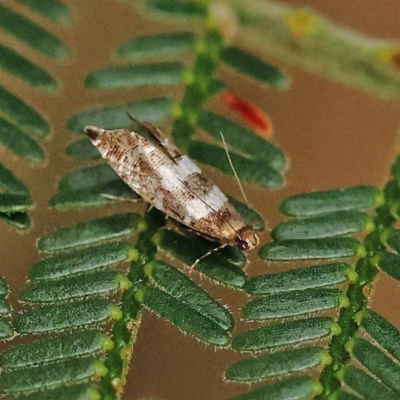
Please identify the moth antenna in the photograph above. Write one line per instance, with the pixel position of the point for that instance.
(233, 169)
(207, 254)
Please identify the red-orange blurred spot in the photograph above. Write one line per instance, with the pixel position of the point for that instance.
(253, 115)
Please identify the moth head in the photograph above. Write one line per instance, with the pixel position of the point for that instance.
(246, 239)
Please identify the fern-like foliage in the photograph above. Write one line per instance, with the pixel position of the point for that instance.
(319, 228)
(21, 124)
(85, 300)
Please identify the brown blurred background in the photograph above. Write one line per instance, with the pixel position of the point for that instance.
(335, 137)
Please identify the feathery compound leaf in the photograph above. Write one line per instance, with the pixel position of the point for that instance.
(390, 263)
(248, 64)
(54, 10)
(54, 349)
(282, 334)
(383, 332)
(365, 385)
(321, 226)
(21, 113)
(240, 138)
(153, 110)
(19, 143)
(314, 203)
(96, 283)
(81, 261)
(11, 203)
(22, 68)
(163, 44)
(188, 250)
(6, 330)
(77, 392)
(275, 364)
(182, 289)
(378, 363)
(298, 279)
(341, 395)
(301, 387)
(5, 308)
(59, 317)
(127, 76)
(290, 304)
(35, 36)
(91, 232)
(184, 317)
(249, 171)
(41, 377)
(312, 249)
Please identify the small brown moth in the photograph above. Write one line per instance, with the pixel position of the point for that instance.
(171, 182)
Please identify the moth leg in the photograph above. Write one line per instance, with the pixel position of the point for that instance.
(118, 198)
(207, 254)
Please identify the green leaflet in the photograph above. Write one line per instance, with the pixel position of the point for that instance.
(96, 283)
(77, 392)
(54, 10)
(394, 240)
(22, 68)
(27, 31)
(52, 349)
(240, 138)
(41, 377)
(301, 387)
(127, 76)
(314, 203)
(65, 316)
(249, 171)
(280, 363)
(365, 385)
(184, 317)
(252, 66)
(378, 363)
(298, 279)
(188, 250)
(83, 150)
(5, 308)
(341, 395)
(282, 334)
(6, 330)
(11, 203)
(81, 261)
(182, 289)
(390, 263)
(312, 249)
(18, 220)
(4, 289)
(19, 143)
(383, 332)
(88, 187)
(291, 304)
(181, 8)
(249, 216)
(91, 232)
(21, 113)
(154, 110)
(10, 183)
(163, 44)
(321, 226)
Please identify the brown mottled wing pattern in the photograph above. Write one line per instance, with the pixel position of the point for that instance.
(168, 180)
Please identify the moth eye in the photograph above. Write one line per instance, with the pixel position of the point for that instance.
(241, 244)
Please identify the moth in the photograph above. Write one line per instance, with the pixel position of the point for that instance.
(168, 180)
